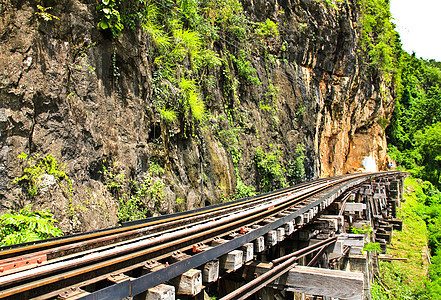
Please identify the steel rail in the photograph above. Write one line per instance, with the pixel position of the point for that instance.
(86, 247)
(23, 249)
(228, 225)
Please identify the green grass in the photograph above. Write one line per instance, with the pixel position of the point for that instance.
(399, 279)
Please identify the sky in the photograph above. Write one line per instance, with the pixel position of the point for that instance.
(419, 25)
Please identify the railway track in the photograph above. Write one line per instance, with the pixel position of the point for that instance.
(45, 269)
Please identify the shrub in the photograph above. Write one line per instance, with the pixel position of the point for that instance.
(271, 171)
(295, 172)
(36, 167)
(267, 29)
(26, 226)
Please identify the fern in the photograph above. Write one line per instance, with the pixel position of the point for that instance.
(160, 37)
(188, 39)
(26, 226)
(168, 115)
(197, 106)
(192, 103)
(36, 167)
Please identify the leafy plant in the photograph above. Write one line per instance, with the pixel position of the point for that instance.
(271, 171)
(134, 204)
(27, 226)
(193, 105)
(110, 17)
(168, 115)
(245, 68)
(380, 41)
(43, 14)
(231, 143)
(366, 229)
(295, 169)
(36, 167)
(372, 247)
(114, 182)
(243, 190)
(267, 29)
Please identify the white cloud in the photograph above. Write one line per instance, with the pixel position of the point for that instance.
(419, 25)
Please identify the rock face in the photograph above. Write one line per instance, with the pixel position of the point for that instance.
(59, 96)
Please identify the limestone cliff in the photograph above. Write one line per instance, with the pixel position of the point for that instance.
(59, 95)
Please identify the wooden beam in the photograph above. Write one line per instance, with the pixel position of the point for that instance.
(314, 281)
(324, 282)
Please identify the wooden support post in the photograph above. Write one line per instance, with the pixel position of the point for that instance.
(217, 242)
(150, 266)
(306, 235)
(178, 256)
(161, 292)
(248, 252)
(306, 217)
(231, 261)
(355, 207)
(259, 244)
(280, 234)
(118, 278)
(189, 283)
(299, 220)
(210, 271)
(271, 239)
(289, 228)
(386, 236)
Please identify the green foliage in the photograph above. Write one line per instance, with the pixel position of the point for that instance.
(38, 166)
(414, 136)
(27, 226)
(192, 103)
(44, 15)
(110, 17)
(372, 247)
(407, 280)
(270, 169)
(243, 190)
(331, 3)
(379, 40)
(168, 115)
(366, 229)
(295, 169)
(300, 112)
(392, 284)
(244, 68)
(428, 143)
(267, 29)
(421, 212)
(231, 143)
(133, 205)
(114, 182)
